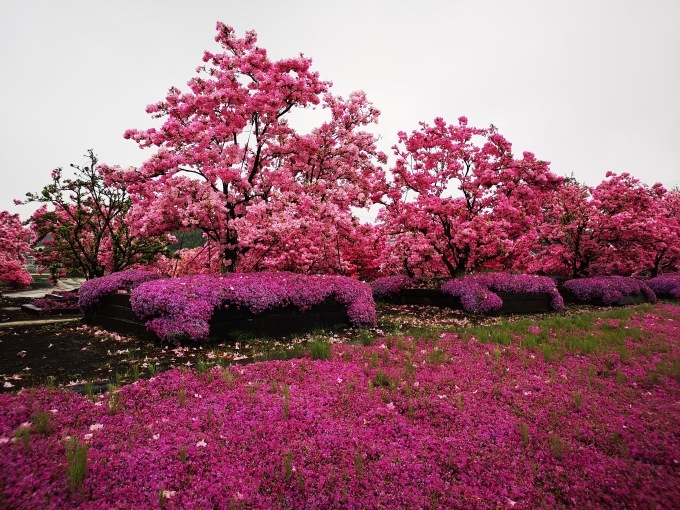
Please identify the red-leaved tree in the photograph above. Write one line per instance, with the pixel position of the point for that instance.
(228, 162)
(461, 200)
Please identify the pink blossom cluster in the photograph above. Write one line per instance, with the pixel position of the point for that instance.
(412, 424)
(477, 295)
(609, 289)
(666, 285)
(389, 285)
(182, 307)
(13, 274)
(93, 290)
(15, 241)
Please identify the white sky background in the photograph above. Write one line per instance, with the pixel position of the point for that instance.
(589, 85)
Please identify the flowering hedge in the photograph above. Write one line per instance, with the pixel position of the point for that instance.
(449, 425)
(667, 285)
(609, 289)
(93, 290)
(476, 292)
(182, 307)
(389, 285)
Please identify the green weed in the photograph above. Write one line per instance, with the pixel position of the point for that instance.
(42, 423)
(320, 350)
(524, 433)
(22, 434)
(76, 458)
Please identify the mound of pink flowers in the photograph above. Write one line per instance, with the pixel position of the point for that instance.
(667, 285)
(386, 286)
(477, 295)
(58, 300)
(412, 423)
(608, 289)
(92, 291)
(182, 307)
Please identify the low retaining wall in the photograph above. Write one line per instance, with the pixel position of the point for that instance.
(114, 313)
(525, 302)
(431, 297)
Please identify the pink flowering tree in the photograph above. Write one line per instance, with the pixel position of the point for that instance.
(627, 210)
(640, 226)
(461, 199)
(83, 225)
(15, 240)
(567, 241)
(661, 243)
(227, 161)
(620, 227)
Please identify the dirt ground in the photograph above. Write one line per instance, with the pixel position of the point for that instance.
(71, 354)
(67, 353)
(31, 352)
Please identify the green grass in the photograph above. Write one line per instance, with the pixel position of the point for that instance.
(585, 333)
(320, 349)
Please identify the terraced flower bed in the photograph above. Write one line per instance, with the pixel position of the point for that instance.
(666, 286)
(607, 291)
(114, 313)
(490, 293)
(198, 307)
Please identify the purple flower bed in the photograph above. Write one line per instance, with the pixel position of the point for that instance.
(445, 425)
(476, 291)
(182, 307)
(667, 285)
(93, 290)
(608, 289)
(389, 285)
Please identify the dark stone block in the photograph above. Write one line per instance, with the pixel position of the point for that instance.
(525, 302)
(430, 297)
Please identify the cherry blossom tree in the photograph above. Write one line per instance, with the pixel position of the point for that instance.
(15, 242)
(228, 162)
(461, 200)
(83, 225)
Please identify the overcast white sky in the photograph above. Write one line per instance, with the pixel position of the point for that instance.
(589, 85)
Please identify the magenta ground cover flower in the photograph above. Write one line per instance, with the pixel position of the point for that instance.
(609, 289)
(476, 291)
(440, 423)
(666, 285)
(182, 307)
(93, 290)
(390, 285)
